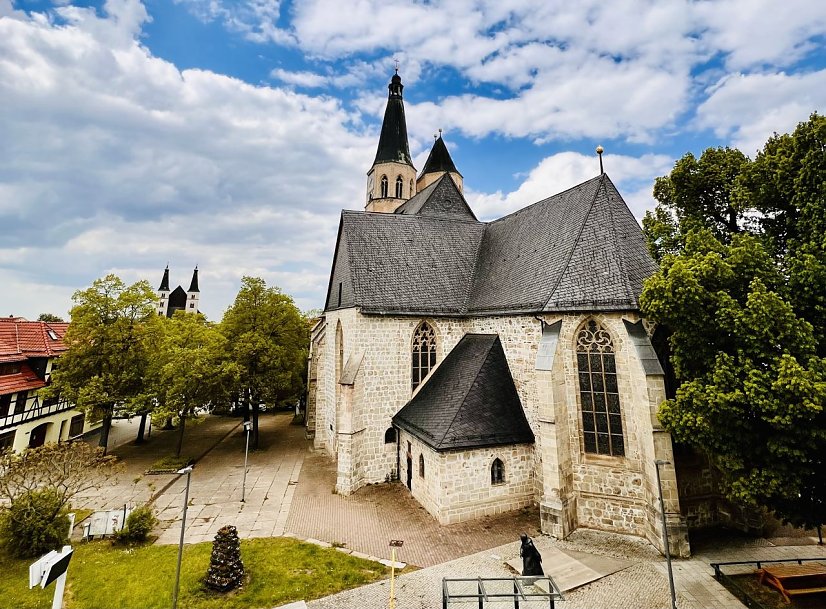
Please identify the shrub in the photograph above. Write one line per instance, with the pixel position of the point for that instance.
(138, 526)
(35, 523)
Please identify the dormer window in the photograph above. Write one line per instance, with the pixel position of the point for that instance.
(399, 187)
(52, 334)
(384, 186)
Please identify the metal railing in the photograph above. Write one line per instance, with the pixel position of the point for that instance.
(486, 591)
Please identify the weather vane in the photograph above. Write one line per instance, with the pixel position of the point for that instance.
(396, 64)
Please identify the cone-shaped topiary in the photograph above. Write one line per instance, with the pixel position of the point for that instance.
(225, 567)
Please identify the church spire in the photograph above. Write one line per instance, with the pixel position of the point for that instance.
(393, 146)
(165, 281)
(392, 179)
(438, 163)
(193, 285)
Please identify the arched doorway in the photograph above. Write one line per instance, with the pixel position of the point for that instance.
(38, 435)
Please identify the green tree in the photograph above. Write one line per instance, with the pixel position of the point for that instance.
(268, 339)
(109, 341)
(741, 291)
(49, 317)
(190, 369)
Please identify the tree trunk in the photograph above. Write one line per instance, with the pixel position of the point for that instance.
(141, 428)
(181, 425)
(104, 432)
(168, 424)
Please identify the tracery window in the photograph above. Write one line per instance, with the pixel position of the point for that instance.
(599, 395)
(424, 353)
(383, 186)
(421, 466)
(497, 472)
(399, 187)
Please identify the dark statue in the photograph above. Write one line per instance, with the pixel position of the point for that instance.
(531, 558)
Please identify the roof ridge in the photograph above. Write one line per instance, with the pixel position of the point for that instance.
(575, 241)
(618, 250)
(413, 217)
(477, 261)
(470, 385)
(554, 196)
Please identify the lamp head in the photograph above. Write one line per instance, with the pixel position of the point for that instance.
(185, 470)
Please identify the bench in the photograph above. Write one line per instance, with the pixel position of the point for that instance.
(795, 580)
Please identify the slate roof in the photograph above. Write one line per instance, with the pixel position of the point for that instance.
(442, 198)
(164, 287)
(393, 146)
(579, 250)
(439, 159)
(469, 401)
(193, 285)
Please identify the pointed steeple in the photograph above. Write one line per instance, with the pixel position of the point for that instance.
(438, 163)
(193, 285)
(393, 146)
(165, 281)
(392, 178)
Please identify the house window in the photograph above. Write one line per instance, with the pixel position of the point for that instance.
(424, 352)
(51, 334)
(399, 187)
(497, 472)
(383, 186)
(390, 436)
(598, 392)
(20, 404)
(7, 440)
(5, 403)
(421, 466)
(13, 368)
(76, 426)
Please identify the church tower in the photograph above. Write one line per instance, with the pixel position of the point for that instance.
(392, 179)
(193, 294)
(163, 292)
(439, 163)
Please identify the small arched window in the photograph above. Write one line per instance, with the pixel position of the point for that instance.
(412, 191)
(598, 392)
(424, 353)
(390, 436)
(383, 186)
(421, 466)
(497, 472)
(399, 187)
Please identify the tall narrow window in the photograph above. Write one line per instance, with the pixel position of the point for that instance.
(399, 187)
(383, 186)
(497, 472)
(421, 466)
(412, 192)
(601, 417)
(424, 352)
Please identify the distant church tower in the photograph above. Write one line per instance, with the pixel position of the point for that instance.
(177, 299)
(392, 179)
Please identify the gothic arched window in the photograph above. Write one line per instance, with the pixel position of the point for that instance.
(598, 392)
(424, 353)
(421, 466)
(497, 472)
(399, 187)
(383, 186)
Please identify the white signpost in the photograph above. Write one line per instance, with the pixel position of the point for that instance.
(49, 568)
(106, 523)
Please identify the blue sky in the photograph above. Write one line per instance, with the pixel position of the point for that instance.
(231, 134)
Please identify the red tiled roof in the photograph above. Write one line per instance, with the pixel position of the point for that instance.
(20, 338)
(22, 381)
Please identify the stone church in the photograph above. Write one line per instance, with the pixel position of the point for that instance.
(490, 366)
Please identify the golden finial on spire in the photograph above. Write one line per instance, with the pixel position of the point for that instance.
(600, 150)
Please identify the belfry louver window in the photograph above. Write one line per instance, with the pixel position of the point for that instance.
(399, 187)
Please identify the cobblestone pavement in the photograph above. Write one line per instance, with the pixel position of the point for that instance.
(642, 585)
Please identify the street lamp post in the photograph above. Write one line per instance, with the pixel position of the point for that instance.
(247, 427)
(657, 464)
(188, 471)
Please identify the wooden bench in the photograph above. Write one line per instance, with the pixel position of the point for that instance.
(794, 580)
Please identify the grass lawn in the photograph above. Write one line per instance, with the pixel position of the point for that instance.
(279, 570)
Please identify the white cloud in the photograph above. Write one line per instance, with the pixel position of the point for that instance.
(633, 176)
(115, 159)
(748, 108)
(305, 79)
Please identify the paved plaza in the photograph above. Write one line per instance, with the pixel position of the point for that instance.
(290, 491)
